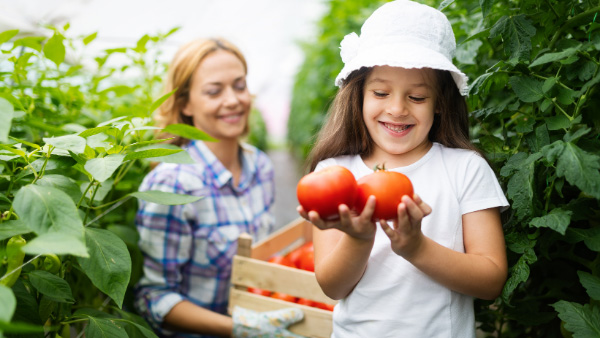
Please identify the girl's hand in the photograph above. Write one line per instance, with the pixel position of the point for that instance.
(406, 236)
(357, 226)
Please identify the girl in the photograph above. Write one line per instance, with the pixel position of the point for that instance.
(400, 104)
(188, 249)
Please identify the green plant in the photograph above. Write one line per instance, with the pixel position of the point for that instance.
(74, 146)
(534, 96)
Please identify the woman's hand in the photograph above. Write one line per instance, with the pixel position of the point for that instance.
(356, 226)
(406, 236)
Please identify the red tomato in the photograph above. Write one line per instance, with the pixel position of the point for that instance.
(283, 296)
(306, 302)
(296, 255)
(328, 307)
(324, 190)
(282, 260)
(307, 261)
(259, 291)
(388, 188)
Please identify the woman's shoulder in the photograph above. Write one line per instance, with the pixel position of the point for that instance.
(258, 157)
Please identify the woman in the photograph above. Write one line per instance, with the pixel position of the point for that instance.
(188, 249)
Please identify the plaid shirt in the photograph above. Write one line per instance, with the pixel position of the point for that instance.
(188, 249)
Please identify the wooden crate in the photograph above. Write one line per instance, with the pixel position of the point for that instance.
(251, 269)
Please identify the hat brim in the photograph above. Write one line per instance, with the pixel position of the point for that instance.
(404, 56)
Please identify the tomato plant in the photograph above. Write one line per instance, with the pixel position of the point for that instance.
(324, 190)
(388, 187)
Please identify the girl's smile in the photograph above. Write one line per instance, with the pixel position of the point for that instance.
(398, 110)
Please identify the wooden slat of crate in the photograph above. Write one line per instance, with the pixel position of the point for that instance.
(282, 239)
(263, 275)
(316, 322)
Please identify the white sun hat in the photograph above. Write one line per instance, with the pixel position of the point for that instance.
(403, 34)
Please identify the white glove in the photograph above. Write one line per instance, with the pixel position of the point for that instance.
(271, 324)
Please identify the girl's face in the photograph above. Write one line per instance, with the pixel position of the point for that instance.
(398, 111)
(219, 101)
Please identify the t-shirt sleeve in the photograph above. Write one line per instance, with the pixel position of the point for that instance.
(480, 188)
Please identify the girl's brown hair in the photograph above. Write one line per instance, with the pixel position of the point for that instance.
(179, 76)
(345, 132)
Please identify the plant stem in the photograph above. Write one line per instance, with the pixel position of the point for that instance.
(576, 20)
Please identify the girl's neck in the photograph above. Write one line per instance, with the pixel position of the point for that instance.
(381, 157)
(227, 152)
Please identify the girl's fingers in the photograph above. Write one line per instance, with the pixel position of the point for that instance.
(387, 229)
(413, 209)
(369, 210)
(424, 206)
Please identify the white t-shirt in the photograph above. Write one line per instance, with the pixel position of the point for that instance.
(395, 299)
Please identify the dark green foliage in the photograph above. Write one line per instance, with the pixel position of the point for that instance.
(534, 99)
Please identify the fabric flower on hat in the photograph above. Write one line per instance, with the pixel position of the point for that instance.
(349, 47)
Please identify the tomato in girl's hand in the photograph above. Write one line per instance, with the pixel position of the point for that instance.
(259, 291)
(388, 187)
(283, 296)
(282, 260)
(324, 190)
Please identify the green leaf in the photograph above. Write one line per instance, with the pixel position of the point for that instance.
(94, 131)
(45, 209)
(181, 157)
(486, 6)
(6, 116)
(552, 57)
(12, 228)
(54, 49)
(520, 187)
(109, 264)
(161, 100)
(67, 143)
(90, 38)
(56, 243)
(103, 168)
(527, 88)
(104, 328)
(33, 42)
(188, 132)
(591, 284)
(7, 35)
(516, 32)
(150, 153)
(558, 122)
(579, 167)
(518, 273)
(64, 183)
(9, 303)
(54, 287)
(582, 320)
(166, 198)
(557, 220)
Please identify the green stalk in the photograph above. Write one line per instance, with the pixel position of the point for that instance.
(574, 21)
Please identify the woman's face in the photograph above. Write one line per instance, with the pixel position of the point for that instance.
(398, 111)
(219, 101)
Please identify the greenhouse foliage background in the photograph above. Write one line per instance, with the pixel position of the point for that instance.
(74, 149)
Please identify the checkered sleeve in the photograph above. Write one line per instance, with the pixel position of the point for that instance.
(166, 241)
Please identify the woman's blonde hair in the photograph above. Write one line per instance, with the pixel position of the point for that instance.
(179, 76)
